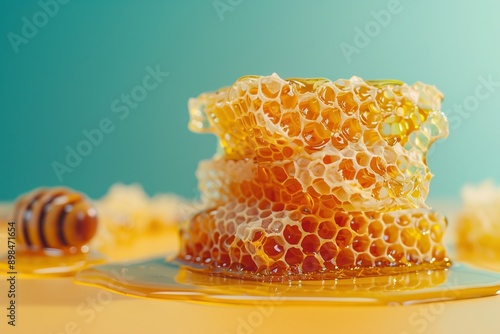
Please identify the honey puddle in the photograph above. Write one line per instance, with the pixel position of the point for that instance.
(50, 262)
(161, 279)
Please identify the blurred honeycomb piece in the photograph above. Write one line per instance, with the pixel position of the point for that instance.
(127, 213)
(478, 225)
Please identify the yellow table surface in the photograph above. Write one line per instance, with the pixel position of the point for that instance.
(59, 305)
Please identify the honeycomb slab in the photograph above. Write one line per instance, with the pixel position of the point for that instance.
(316, 179)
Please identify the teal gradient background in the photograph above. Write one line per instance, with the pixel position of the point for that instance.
(65, 78)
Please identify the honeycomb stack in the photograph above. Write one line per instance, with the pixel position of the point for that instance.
(316, 179)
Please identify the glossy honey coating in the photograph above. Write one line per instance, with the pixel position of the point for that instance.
(57, 218)
(316, 176)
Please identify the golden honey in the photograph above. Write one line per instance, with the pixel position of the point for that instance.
(316, 179)
(159, 279)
